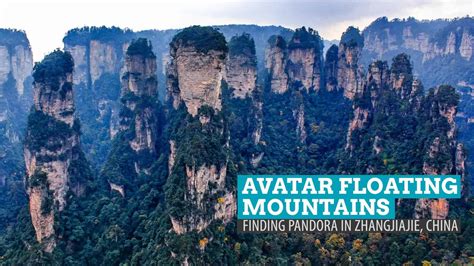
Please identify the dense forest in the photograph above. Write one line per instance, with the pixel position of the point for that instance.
(163, 190)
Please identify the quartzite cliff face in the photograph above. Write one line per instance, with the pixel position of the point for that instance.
(305, 59)
(195, 76)
(139, 80)
(16, 63)
(99, 55)
(52, 148)
(275, 63)
(241, 74)
(349, 70)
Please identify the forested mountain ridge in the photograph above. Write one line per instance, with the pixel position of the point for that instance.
(442, 53)
(166, 193)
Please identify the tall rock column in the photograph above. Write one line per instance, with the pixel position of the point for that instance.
(52, 149)
(444, 155)
(305, 59)
(350, 72)
(241, 74)
(198, 189)
(275, 63)
(242, 99)
(139, 83)
(135, 147)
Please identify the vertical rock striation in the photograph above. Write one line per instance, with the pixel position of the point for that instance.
(196, 72)
(16, 63)
(241, 74)
(52, 149)
(99, 54)
(275, 63)
(135, 146)
(139, 83)
(444, 155)
(198, 190)
(350, 72)
(305, 59)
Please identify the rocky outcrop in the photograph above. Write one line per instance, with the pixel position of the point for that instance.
(99, 56)
(460, 166)
(275, 63)
(199, 78)
(305, 59)
(241, 74)
(350, 72)
(401, 76)
(52, 145)
(298, 114)
(440, 39)
(139, 88)
(361, 119)
(16, 61)
(443, 107)
(195, 74)
(16, 64)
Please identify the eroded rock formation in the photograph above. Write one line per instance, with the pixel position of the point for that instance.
(241, 74)
(195, 74)
(443, 107)
(350, 75)
(16, 64)
(305, 59)
(52, 149)
(275, 63)
(139, 88)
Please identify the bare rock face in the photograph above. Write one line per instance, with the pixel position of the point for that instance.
(81, 68)
(361, 118)
(384, 36)
(298, 114)
(241, 74)
(103, 59)
(350, 73)
(16, 64)
(48, 161)
(196, 72)
(18, 61)
(199, 77)
(194, 75)
(460, 164)
(275, 63)
(99, 57)
(57, 102)
(378, 79)
(5, 66)
(305, 63)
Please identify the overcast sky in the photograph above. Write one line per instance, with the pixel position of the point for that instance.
(46, 22)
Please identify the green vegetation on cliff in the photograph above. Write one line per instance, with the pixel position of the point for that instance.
(203, 39)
